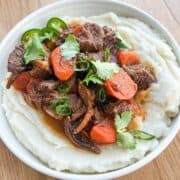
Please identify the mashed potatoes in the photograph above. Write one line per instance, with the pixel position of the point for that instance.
(58, 153)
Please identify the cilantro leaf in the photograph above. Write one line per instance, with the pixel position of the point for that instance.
(121, 44)
(123, 121)
(70, 47)
(34, 50)
(92, 77)
(105, 70)
(126, 140)
(138, 134)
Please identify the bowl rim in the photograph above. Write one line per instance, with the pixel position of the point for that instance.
(106, 175)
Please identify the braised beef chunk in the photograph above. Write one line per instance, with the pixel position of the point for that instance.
(15, 64)
(88, 99)
(11, 79)
(48, 85)
(110, 38)
(41, 69)
(51, 96)
(141, 75)
(91, 38)
(98, 116)
(15, 61)
(77, 106)
(118, 106)
(40, 91)
(81, 139)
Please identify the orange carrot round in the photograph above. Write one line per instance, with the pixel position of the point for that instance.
(121, 86)
(63, 69)
(127, 57)
(21, 81)
(103, 133)
(76, 30)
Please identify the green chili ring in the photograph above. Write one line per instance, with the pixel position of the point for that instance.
(29, 34)
(56, 24)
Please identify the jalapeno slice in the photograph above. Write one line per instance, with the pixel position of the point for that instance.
(48, 33)
(57, 24)
(28, 34)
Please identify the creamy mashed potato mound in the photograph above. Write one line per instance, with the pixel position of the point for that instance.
(58, 153)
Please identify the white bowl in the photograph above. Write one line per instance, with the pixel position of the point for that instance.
(76, 8)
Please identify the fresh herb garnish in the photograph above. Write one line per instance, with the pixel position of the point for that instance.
(105, 70)
(138, 134)
(63, 109)
(70, 47)
(128, 139)
(64, 88)
(61, 106)
(121, 44)
(122, 121)
(82, 65)
(57, 100)
(92, 77)
(101, 95)
(34, 50)
(106, 54)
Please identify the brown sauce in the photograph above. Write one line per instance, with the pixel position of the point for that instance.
(54, 125)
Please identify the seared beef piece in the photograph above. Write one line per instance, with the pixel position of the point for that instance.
(91, 38)
(50, 97)
(88, 99)
(15, 64)
(28, 100)
(11, 79)
(98, 116)
(15, 61)
(77, 106)
(78, 113)
(116, 107)
(86, 94)
(110, 38)
(41, 69)
(48, 85)
(81, 139)
(41, 91)
(141, 75)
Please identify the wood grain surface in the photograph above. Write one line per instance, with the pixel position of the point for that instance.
(167, 165)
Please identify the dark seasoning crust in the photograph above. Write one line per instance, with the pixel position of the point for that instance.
(86, 111)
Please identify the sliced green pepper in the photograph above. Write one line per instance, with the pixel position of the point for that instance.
(29, 34)
(57, 24)
(48, 33)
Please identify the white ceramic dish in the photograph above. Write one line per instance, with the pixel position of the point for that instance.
(76, 8)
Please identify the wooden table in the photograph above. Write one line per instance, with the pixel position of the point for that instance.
(166, 166)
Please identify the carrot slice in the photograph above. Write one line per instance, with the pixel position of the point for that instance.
(103, 133)
(76, 30)
(63, 69)
(121, 86)
(21, 81)
(127, 57)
